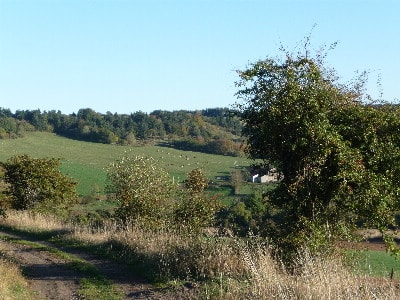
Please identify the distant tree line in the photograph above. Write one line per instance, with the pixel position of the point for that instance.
(214, 130)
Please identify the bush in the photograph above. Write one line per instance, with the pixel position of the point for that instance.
(37, 183)
(142, 189)
(245, 216)
(194, 210)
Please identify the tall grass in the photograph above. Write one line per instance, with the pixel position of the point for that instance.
(312, 278)
(219, 267)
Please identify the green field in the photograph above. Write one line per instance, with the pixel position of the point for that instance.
(86, 162)
(377, 263)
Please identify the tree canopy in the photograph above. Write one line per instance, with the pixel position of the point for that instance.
(338, 152)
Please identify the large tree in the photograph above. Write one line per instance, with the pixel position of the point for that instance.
(339, 155)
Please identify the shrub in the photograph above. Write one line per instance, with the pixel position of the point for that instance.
(194, 210)
(37, 183)
(246, 215)
(142, 189)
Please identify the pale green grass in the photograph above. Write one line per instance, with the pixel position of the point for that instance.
(86, 162)
(90, 179)
(378, 263)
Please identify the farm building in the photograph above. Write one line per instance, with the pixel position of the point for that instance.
(264, 175)
(263, 178)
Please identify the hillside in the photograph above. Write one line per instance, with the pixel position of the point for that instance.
(212, 130)
(86, 161)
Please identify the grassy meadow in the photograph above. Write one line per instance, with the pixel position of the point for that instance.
(86, 162)
(378, 264)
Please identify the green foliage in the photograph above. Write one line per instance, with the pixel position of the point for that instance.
(37, 183)
(4, 199)
(216, 146)
(196, 182)
(245, 216)
(142, 189)
(339, 156)
(194, 210)
(11, 128)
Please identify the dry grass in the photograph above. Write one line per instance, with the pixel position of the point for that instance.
(12, 284)
(312, 278)
(172, 255)
(232, 268)
(32, 221)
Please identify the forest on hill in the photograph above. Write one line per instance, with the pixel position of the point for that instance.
(215, 130)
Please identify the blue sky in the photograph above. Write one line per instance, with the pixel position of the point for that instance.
(126, 56)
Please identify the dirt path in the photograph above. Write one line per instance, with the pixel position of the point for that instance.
(48, 276)
(51, 278)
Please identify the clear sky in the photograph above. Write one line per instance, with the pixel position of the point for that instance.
(126, 56)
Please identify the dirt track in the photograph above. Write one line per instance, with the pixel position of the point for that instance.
(51, 278)
(48, 276)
